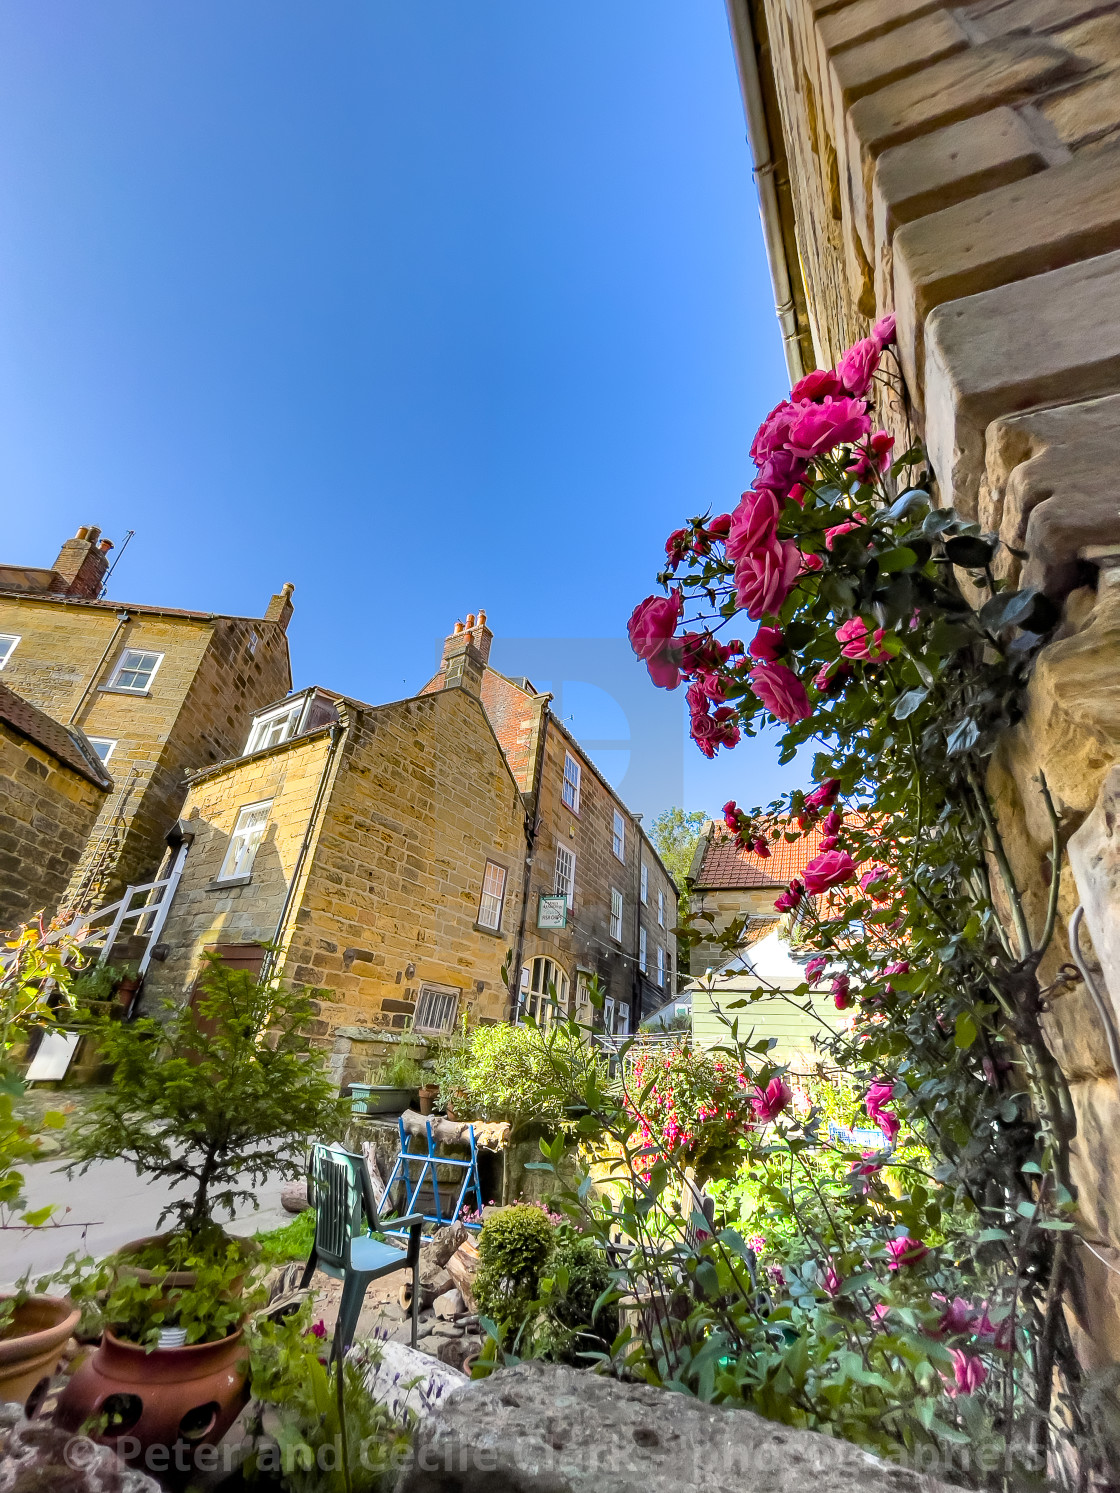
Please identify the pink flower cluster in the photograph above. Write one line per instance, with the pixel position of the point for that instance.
(740, 826)
(879, 1095)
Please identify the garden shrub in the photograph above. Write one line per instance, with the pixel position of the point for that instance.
(579, 1275)
(514, 1248)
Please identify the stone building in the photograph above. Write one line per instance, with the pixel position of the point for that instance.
(585, 844)
(157, 691)
(959, 165)
(52, 789)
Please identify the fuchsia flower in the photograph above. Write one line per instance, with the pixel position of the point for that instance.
(765, 577)
(841, 989)
(821, 797)
(856, 368)
(905, 1251)
(828, 870)
(753, 526)
(853, 636)
(651, 627)
(831, 1281)
(968, 1371)
(769, 1103)
(883, 330)
(822, 383)
(817, 428)
(815, 968)
(767, 644)
(790, 899)
(781, 692)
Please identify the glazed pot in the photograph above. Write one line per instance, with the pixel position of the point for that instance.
(30, 1352)
(164, 1397)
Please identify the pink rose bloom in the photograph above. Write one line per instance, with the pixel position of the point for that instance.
(717, 527)
(855, 643)
(651, 627)
(817, 428)
(768, 1104)
(780, 471)
(761, 848)
(810, 564)
(956, 1319)
(754, 525)
(873, 882)
(815, 968)
(901, 968)
(829, 842)
(677, 546)
(856, 368)
(731, 814)
(821, 797)
(764, 578)
(766, 644)
(828, 870)
(881, 1092)
(833, 821)
(781, 693)
(841, 992)
(874, 458)
(830, 678)
(968, 1371)
(822, 383)
(905, 1251)
(864, 1168)
(772, 433)
(831, 535)
(790, 899)
(830, 1281)
(883, 330)
(889, 1123)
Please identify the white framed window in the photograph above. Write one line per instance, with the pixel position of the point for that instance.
(669, 968)
(547, 983)
(103, 746)
(136, 670)
(572, 775)
(622, 1019)
(616, 914)
(8, 641)
(608, 1014)
(247, 835)
(660, 967)
(493, 895)
(436, 1009)
(584, 1010)
(645, 884)
(566, 874)
(661, 909)
(619, 839)
(274, 726)
(643, 957)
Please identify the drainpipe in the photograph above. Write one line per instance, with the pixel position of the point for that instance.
(531, 831)
(763, 164)
(338, 736)
(123, 619)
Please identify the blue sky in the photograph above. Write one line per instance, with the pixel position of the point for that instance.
(421, 306)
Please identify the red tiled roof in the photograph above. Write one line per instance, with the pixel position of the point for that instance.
(727, 864)
(47, 733)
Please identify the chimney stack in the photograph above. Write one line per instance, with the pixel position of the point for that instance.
(82, 563)
(466, 653)
(280, 608)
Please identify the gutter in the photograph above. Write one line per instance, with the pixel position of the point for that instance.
(763, 166)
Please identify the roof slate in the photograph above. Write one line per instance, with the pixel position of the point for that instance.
(64, 744)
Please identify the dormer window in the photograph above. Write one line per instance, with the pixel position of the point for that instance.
(275, 726)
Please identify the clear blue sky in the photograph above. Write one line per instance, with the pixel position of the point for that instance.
(421, 306)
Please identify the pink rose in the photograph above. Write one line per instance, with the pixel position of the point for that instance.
(905, 1251)
(841, 992)
(767, 644)
(829, 842)
(822, 383)
(731, 815)
(833, 820)
(968, 1371)
(831, 535)
(855, 643)
(828, 870)
(831, 678)
(883, 330)
(781, 693)
(817, 428)
(651, 627)
(902, 967)
(873, 882)
(761, 848)
(768, 1105)
(856, 368)
(821, 797)
(788, 900)
(781, 471)
(956, 1319)
(677, 546)
(881, 1092)
(772, 433)
(754, 525)
(764, 578)
(810, 564)
(815, 968)
(717, 527)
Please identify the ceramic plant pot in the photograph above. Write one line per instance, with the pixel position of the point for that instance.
(429, 1092)
(33, 1346)
(165, 1397)
(379, 1099)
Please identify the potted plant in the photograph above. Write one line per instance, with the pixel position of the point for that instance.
(33, 1328)
(219, 1096)
(394, 1087)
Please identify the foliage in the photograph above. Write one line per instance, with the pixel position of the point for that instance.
(401, 1071)
(513, 1249)
(292, 1241)
(98, 982)
(686, 1101)
(311, 1446)
(578, 1323)
(504, 1072)
(220, 1096)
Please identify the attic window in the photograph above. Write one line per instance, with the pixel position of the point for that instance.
(274, 726)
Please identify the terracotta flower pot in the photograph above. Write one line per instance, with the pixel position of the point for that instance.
(30, 1351)
(429, 1092)
(178, 1280)
(164, 1397)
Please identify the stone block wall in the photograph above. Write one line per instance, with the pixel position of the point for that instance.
(46, 813)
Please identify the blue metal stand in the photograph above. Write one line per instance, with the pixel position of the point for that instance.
(403, 1172)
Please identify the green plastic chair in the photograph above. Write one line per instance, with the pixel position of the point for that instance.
(340, 1190)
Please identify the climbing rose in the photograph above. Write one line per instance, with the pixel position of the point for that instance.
(841, 992)
(766, 644)
(781, 692)
(833, 821)
(822, 383)
(873, 882)
(781, 472)
(969, 1372)
(651, 627)
(765, 577)
(754, 525)
(731, 814)
(830, 869)
(853, 636)
(677, 546)
(856, 368)
(768, 1104)
(761, 848)
(821, 797)
(956, 1319)
(831, 678)
(879, 1095)
(905, 1251)
(817, 428)
(831, 535)
(883, 330)
(717, 527)
(788, 900)
(815, 968)
(902, 967)
(772, 433)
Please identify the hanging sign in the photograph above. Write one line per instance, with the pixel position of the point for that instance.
(552, 910)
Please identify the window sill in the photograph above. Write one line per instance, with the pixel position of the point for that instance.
(119, 689)
(482, 928)
(230, 881)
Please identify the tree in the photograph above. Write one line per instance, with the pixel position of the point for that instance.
(220, 1096)
(675, 836)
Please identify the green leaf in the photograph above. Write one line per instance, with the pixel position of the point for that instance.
(966, 1033)
(906, 704)
(949, 637)
(912, 498)
(969, 551)
(901, 558)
